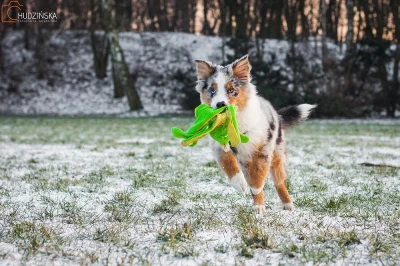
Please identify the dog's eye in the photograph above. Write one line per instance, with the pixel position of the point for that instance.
(230, 91)
(212, 92)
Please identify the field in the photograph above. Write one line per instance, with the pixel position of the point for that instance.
(123, 191)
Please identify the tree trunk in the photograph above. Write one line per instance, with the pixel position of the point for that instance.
(185, 16)
(368, 29)
(322, 15)
(305, 31)
(330, 19)
(151, 14)
(2, 37)
(275, 25)
(241, 23)
(27, 35)
(128, 15)
(193, 9)
(263, 19)
(123, 14)
(229, 26)
(121, 76)
(40, 55)
(206, 24)
(350, 31)
(161, 13)
(110, 26)
(395, 86)
(100, 52)
(359, 26)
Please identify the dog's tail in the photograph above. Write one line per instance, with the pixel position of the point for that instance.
(295, 114)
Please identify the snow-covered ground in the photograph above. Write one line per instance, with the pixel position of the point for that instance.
(122, 191)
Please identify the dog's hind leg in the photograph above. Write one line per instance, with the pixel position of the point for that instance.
(279, 175)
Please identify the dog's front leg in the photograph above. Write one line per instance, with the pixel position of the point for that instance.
(228, 163)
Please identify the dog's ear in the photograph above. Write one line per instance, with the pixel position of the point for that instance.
(241, 68)
(204, 69)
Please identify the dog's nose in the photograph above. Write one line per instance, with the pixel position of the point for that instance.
(221, 104)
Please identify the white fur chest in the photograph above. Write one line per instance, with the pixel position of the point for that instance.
(251, 122)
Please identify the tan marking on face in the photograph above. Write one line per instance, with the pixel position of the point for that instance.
(279, 176)
(228, 163)
(204, 98)
(241, 100)
(228, 85)
(214, 86)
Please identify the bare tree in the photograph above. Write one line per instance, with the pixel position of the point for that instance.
(394, 92)
(291, 8)
(2, 37)
(305, 31)
(100, 45)
(350, 31)
(27, 36)
(185, 15)
(322, 15)
(40, 55)
(206, 24)
(367, 18)
(123, 84)
(123, 14)
(121, 76)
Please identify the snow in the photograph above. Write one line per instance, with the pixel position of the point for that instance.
(97, 169)
(71, 88)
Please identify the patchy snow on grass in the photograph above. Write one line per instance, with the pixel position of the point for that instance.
(110, 191)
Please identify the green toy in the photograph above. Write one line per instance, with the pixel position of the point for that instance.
(220, 123)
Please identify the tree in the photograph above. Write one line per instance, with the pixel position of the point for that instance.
(394, 92)
(185, 15)
(122, 79)
(291, 14)
(350, 31)
(305, 31)
(100, 46)
(322, 15)
(123, 14)
(2, 37)
(367, 18)
(206, 24)
(275, 21)
(40, 54)
(121, 76)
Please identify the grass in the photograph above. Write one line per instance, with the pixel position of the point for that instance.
(111, 191)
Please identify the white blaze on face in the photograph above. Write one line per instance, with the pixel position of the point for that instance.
(220, 96)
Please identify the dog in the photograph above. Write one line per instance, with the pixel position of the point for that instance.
(248, 164)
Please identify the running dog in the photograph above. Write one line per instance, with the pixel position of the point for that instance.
(249, 164)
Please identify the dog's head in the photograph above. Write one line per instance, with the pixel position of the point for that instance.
(222, 85)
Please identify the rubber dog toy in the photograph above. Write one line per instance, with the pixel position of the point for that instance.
(220, 123)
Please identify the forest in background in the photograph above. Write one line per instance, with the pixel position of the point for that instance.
(363, 80)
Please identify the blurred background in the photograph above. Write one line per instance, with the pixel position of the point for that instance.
(136, 57)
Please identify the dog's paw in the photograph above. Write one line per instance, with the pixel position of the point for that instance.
(239, 182)
(288, 206)
(259, 209)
